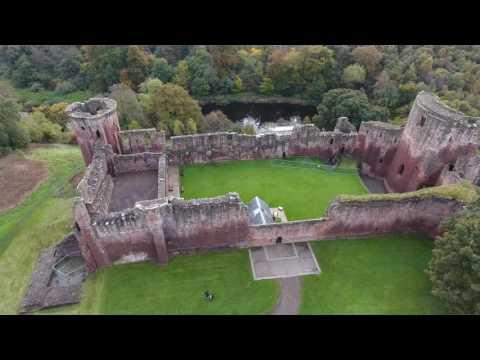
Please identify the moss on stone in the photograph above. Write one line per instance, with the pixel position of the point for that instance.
(464, 192)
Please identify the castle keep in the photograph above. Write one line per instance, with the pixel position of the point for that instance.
(130, 210)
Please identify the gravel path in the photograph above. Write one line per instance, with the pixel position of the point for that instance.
(289, 300)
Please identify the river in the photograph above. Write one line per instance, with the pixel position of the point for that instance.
(263, 112)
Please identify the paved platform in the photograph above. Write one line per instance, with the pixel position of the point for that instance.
(283, 261)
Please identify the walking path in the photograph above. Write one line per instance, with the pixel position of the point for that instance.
(289, 299)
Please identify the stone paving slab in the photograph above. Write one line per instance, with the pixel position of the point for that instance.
(283, 261)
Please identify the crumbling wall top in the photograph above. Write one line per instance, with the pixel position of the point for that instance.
(92, 109)
(431, 103)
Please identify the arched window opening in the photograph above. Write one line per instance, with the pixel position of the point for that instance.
(402, 168)
(422, 121)
(451, 167)
(284, 155)
(279, 240)
(331, 141)
(98, 134)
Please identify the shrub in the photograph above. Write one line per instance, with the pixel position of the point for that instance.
(64, 87)
(41, 130)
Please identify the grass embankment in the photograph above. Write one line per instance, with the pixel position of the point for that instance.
(40, 221)
(303, 192)
(464, 192)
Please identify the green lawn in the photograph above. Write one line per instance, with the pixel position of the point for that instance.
(380, 275)
(303, 192)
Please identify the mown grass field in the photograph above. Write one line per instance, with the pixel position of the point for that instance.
(380, 275)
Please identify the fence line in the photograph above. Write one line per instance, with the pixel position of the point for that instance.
(312, 165)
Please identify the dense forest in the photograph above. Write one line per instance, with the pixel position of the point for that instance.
(161, 85)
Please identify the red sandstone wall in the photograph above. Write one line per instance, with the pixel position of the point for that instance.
(307, 140)
(376, 146)
(206, 223)
(357, 219)
(143, 140)
(135, 162)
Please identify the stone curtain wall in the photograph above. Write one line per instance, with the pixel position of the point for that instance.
(135, 162)
(96, 186)
(154, 228)
(347, 219)
(305, 140)
(376, 146)
(206, 223)
(143, 140)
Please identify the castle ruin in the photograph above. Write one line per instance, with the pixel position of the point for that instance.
(129, 207)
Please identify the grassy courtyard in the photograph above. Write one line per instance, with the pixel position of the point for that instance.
(303, 192)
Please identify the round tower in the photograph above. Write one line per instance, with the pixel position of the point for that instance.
(94, 121)
(433, 138)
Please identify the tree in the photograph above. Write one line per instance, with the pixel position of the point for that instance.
(139, 63)
(368, 56)
(104, 64)
(174, 110)
(181, 74)
(215, 121)
(128, 107)
(350, 103)
(354, 75)
(162, 70)
(266, 87)
(455, 265)
(202, 75)
(12, 136)
(23, 75)
(237, 84)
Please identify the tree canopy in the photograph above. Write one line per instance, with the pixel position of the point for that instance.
(455, 266)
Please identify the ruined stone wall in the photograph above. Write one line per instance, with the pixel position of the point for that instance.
(347, 219)
(156, 227)
(305, 140)
(206, 223)
(94, 121)
(96, 186)
(135, 162)
(434, 137)
(142, 140)
(376, 146)
(308, 140)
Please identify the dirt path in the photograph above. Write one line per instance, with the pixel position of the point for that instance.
(289, 301)
(19, 177)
